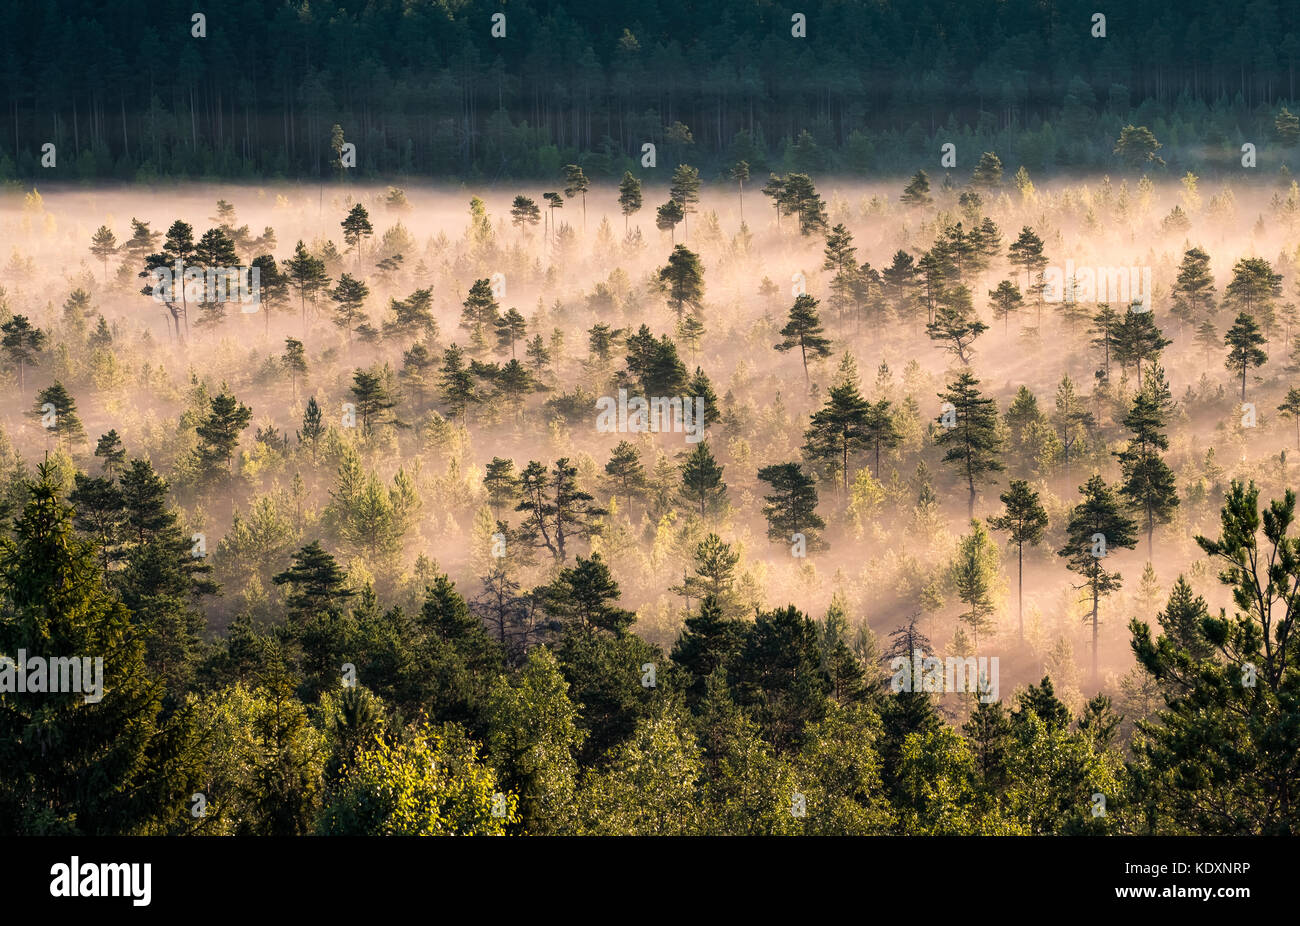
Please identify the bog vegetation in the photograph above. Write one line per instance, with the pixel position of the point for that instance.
(359, 559)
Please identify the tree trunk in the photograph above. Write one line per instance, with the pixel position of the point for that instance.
(1020, 587)
(1095, 602)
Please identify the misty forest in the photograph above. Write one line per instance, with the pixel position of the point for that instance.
(918, 482)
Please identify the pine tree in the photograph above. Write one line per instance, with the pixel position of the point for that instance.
(571, 508)
(1222, 732)
(629, 197)
(917, 191)
(456, 384)
(804, 330)
(178, 248)
(501, 483)
(313, 426)
(956, 323)
(684, 189)
(1148, 483)
(357, 228)
(1137, 146)
(899, 278)
(1290, 408)
(975, 575)
(1253, 288)
(839, 430)
(272, 289)
(307, 275)
(778, 675)
(1193, 292)
(849, 683)
(775, 189)
(587, 595)
(1006, 300)
(626, 471)
(417, 364)
(839, 257)
(294, 361)
(988, 172)
(103, 244)
(973, 442)
(1137, 338)
(1027, 253)
(1071, 418)
(707, 642)
(576, 184)
(349, 296)
(683, 279)
(1025, 520)
(1105, 324)
(739, 172)
(110, 450)
(373, 400)
(22, 345)
(1097, 527)
(99, 510)
(800, 198)
(510, 328)
(792, 507)
(1245, 341)
(701, 387)
(668, 216)
(524, 211)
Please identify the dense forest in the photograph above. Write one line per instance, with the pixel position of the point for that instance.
(438, 88)
(453, 418)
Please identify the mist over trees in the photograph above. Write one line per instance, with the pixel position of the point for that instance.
(583, 491)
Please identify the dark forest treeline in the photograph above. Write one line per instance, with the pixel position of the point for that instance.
(124, 90)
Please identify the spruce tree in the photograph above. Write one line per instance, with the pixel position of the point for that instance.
(102, 760)
(56, 411)
(317, 585)
(219, 436)
(702, 484)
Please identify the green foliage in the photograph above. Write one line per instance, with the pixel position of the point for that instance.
(430, 783)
